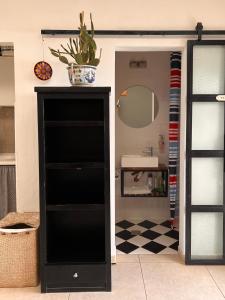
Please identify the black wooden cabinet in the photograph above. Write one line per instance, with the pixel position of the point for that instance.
(73, 125)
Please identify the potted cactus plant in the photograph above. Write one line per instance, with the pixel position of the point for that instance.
(82, 50)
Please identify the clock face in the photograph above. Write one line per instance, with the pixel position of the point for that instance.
(43, 70)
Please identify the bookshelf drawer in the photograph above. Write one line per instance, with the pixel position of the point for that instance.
(78, 276)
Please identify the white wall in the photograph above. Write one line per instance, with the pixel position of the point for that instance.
(7, 84)
(134, 140)
(21, 22)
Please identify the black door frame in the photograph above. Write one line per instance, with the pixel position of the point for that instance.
(199, 153)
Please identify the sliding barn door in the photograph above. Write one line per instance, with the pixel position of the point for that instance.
(205, 204)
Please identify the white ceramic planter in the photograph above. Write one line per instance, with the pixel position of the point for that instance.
(81, 74)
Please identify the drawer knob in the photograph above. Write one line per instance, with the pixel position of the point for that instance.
(75, 275)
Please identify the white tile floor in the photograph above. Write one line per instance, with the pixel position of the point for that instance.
(145, 277)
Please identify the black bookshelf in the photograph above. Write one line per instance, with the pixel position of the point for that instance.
(74, 173)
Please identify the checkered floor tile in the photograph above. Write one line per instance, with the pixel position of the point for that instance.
(146, 237)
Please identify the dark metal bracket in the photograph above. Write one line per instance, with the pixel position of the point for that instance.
(198, 30)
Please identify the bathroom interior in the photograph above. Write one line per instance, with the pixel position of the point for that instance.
(143, 106)
(7, 130)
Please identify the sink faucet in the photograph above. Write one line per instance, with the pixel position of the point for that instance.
(148, 151)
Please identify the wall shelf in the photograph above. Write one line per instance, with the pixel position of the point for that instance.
(77, 207)
(144, 182)
(75, 165)
(73, 123)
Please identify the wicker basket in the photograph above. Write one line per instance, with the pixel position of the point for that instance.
(19, 252)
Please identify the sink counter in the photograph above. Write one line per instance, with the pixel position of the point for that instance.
(7, 159)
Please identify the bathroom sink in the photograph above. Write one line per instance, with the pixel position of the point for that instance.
(139, 161)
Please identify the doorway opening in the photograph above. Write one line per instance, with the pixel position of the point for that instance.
(7, 130)
(147, 93)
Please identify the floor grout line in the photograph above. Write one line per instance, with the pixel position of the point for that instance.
(146, 297)
(215, 282)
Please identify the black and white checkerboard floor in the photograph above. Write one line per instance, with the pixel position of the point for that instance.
(146, 237)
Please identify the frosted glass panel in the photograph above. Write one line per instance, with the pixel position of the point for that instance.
(207, 126)
(206, 235)
(208, 69)
(207, 181)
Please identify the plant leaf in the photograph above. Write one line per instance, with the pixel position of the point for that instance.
(63, 59)
(67, 51)
(78, 59)
(91, 54)
(91, 41)
(54, 52)
(94, 62)
(85, 58)
(92, 27)
(83, 42)
(75, 42)
(71, 46)
(81, 18)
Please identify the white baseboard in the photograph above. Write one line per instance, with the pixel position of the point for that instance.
(113, 259)
(181, 254)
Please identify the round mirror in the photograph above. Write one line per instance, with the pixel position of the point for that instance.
(137, 106)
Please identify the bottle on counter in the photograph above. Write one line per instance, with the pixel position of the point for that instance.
(150, 182)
